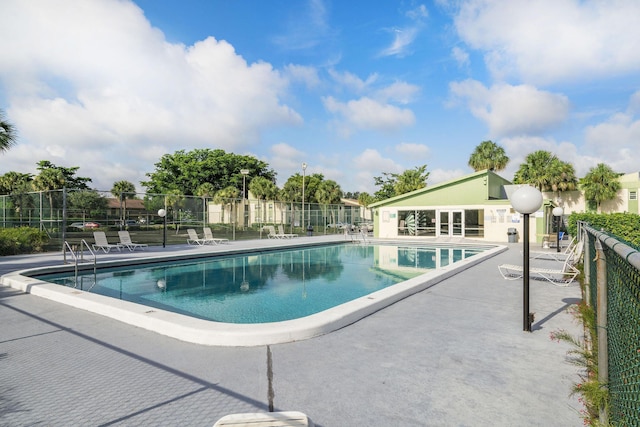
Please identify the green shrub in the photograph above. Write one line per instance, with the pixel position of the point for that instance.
(21, 240)
(625, 226)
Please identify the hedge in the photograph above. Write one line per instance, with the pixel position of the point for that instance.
(625, 226)
(21, 240)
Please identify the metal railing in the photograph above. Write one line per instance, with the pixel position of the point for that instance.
(78, 257)
(612, 278)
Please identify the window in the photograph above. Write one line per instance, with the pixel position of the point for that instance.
(417, 223)
(633, 195)
(474, 222)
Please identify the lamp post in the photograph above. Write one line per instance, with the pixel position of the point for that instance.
(557, 212)
(304, 168)
(163, 214)
(244, 173)
(526, 200)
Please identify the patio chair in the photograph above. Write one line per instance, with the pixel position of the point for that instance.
(208, 235)
(558, 277)
(272, 232)
(193, 238)
(102, 243)
(265, 419)
(573, 252)
(284, 235)
(125, 240)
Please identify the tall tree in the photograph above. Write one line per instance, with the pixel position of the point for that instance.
(536, 170)
(600, 184)
(123, 190)
(186, 171)
(264, 189)
(394, 184)
(292, 189)
(11, 181)
(88, 202)
(365, 199)
(562, 177)
(488, 155)
(226, 196)
(52, 177)
(328, 193)
(411, 180)
(8, 136)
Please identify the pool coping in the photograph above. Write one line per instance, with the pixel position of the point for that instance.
(211, 333)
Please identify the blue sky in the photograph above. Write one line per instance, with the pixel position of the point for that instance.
(353, 88)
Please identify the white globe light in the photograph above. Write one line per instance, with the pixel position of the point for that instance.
(526, 199)
(557, 211)
(162, 212)
(162, 284)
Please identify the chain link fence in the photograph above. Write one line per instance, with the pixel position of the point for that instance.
(71, 216)
(612, 273)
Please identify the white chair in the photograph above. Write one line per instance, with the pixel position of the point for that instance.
(194, 239)
(560, 277)
(555, 255)
(125, 240)
(284, 235)
(265, 419)
(272, 232)
(102, 243)
(208, 235)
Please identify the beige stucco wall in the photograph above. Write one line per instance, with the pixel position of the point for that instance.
(498, 218)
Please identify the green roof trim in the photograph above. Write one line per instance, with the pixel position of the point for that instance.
(478, 187)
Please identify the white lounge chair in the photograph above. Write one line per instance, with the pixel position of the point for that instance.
(208, 235)
(193, 238)
(559, 277)
(272, 232)
(284, 235)
(265, 419)
(574, 255)
(125, 240)
(102, 243)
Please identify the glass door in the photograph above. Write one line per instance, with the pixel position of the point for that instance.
(451, 223)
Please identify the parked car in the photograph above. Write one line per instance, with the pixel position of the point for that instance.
(83, 225)
(338, 225)
(367, 226)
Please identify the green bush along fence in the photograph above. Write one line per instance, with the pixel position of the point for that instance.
(612, 277)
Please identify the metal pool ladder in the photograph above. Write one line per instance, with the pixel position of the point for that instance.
(73, 249)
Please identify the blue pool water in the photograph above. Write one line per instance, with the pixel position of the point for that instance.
(267, 286)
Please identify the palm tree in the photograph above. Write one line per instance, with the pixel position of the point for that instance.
(488, 155)
(536, 170)
(123, 190)
(47, 181)
(328, 193)
(8, 136)
(264, 189)
(226, 196)
(600, 184)
(562, 177)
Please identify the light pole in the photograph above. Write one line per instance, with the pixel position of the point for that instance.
(526, 200)
(304, 168)
(163, 214)
(557, 212)
(244, 173)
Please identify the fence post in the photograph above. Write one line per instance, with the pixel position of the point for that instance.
(601, 327)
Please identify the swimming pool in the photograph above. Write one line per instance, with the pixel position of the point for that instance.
(401, 261)
(266, 287)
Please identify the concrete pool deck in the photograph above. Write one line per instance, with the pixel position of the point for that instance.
(454, 354)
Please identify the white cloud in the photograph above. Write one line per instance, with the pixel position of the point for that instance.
(549, 41)
(351, 81)
(400, 92)
(367, 114)
(307, 75)
(437, 176)
(402, 40)
(412, 151)
(100, 84)
(512, 110)
(461, 56)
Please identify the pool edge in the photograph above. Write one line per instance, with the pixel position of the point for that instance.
(210, 333)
